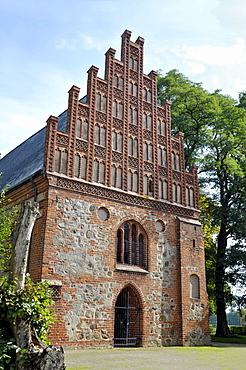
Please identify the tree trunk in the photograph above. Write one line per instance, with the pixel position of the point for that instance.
(222, 329)
(38, 356)
(21, 238)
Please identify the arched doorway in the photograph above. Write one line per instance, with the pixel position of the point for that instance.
(128, 319)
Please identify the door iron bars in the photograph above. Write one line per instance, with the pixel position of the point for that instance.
(127, 328)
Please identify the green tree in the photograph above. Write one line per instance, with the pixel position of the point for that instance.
(7, 221)
(224, 168)
(210, 230)
(242, 100)
(193, 110)
(215, 137)
(29, 305)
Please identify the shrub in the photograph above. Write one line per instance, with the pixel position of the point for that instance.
(31, 304)
(238, 330)
(212, 329)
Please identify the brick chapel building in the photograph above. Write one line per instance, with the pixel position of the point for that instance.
(119, 236)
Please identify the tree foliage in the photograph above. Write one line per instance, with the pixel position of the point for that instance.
(7, 221)
(210, 229)
(30, 304)
(193, 110)
(242, 100)
(214, 127)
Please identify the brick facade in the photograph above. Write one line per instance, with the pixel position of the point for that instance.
(119, 216)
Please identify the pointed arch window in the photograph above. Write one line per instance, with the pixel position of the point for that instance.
(80, 167)
(141, 249)
(133, 116)
(148, 185)
(147, 121)
(119, 242)
(99, 171)
(162, 189)
(194, 287)
(133, 89)
(118, 82)
(148, 152)
(175, 161)
(101, 102)
(134, 64)
(131, 244)
(117, 109)
(133, 146)
(132, 181)
(61, 161)
(82, 129)
(100, 135)
(189, 196)
(126, 242)
(161, 127)
(162, 156)
(116, 177)
(176, 193)
(147, 95)
(117, 141)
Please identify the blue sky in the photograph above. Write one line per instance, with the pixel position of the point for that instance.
(48, 46)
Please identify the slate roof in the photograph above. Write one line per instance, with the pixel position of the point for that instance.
(26, 159)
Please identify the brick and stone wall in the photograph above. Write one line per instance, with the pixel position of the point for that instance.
(117, 153)
(80, 257)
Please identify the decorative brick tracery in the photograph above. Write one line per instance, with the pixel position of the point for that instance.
(140, 185)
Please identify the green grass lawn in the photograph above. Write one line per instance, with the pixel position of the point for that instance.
(240, 339)
(160, 358)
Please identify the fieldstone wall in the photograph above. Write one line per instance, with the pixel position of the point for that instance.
(81, 255)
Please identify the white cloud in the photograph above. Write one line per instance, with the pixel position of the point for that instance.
(216, 66)
(81, 40)
(196, 68)
(214, 55)
(231, 15)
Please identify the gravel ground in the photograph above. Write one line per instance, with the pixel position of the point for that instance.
(219, 356)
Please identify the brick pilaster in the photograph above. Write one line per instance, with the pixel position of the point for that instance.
(72, 117)
(50, 141)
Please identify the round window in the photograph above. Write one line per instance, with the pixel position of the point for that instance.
(159, 226)
(103, 214)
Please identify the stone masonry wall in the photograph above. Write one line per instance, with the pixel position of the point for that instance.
(195, 313)
(81, 256)
(76, 251)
